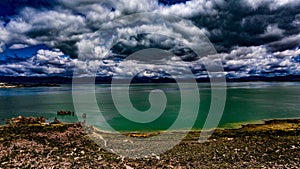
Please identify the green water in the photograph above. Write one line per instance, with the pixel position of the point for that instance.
(245, 103)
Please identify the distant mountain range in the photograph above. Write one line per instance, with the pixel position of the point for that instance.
(68, 80)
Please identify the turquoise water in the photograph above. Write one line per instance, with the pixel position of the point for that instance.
(245, 103)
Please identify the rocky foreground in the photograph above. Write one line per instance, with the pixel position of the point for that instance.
(275, 144)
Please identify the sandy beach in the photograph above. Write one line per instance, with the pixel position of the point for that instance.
(274, 144)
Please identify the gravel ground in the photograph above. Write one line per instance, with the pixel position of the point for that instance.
(275, 144)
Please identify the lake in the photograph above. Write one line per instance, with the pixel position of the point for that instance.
(247, 102)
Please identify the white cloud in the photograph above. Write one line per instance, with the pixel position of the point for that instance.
(296, 22)
(288, 53)
(273, 31)
(50, 53)
(19, 25)
(243, 61)
(256, 60)
(288, 40)
(192, 8)
(136, 6)
(45, 62)
(272, 4)
(18, 46)
(4, 33)
(2, 47)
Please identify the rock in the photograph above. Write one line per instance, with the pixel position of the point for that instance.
(63, 112)
(25, 121)
(56, 121)
(128, 167)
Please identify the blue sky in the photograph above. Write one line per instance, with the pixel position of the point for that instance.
(23, 52)
(251, 38)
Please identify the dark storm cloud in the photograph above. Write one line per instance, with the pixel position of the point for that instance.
(145, 41)
(239, 24)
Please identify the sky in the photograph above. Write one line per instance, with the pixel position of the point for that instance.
(52, 38)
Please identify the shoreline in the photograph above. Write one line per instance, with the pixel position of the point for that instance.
(258, 124)
(236, 126)
(4, 85)
(229, 126)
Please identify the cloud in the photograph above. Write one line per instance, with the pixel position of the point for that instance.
(2, 46)
(57, 29)
(271, 4)
(252, 37)
(18, 46)
(141, 31)
(135, 6)
(63, 26)
(192, 8)
(44, 63)
(296, 22)
(285, 43)
(272, 31)
(240, 62)
(227, 23)
(258, 61)
(288, 53)
(237, 24)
